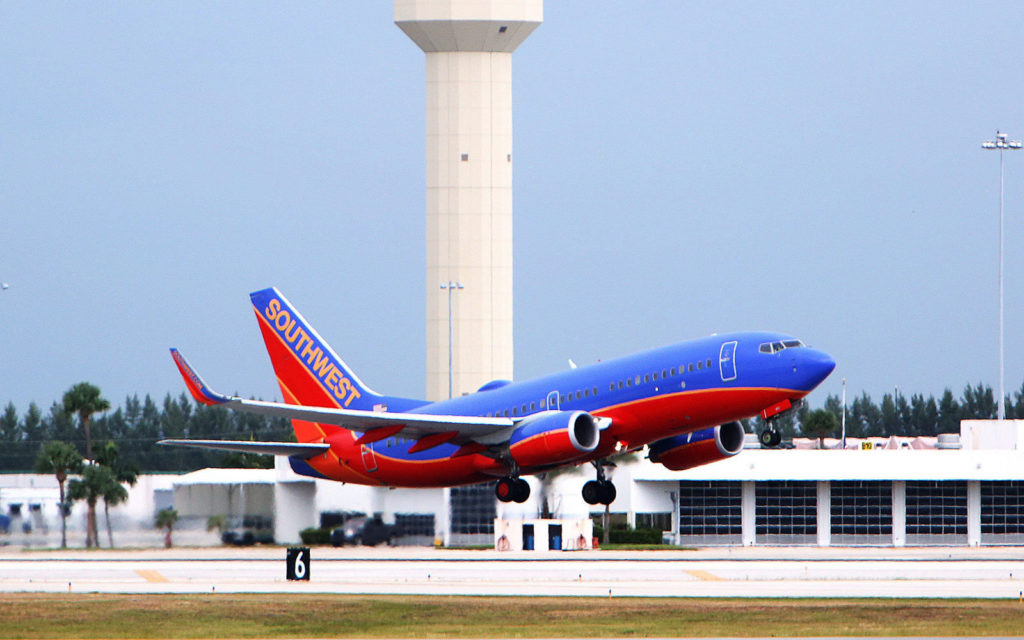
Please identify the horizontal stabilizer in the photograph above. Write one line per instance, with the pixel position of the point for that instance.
(299, 450)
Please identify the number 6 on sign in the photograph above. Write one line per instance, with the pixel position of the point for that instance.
(298, 563)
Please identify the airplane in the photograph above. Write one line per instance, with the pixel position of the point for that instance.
(683, 401)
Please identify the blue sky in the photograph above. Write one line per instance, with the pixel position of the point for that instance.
(681, 169)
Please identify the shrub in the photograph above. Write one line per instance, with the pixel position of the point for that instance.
(630, 536)
(314, 535)
(635, 536)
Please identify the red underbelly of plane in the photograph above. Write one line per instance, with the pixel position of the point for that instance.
(634, 424)
(347, 462)
(655, 418)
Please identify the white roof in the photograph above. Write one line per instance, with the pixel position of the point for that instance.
(898, 464)
(227, 476)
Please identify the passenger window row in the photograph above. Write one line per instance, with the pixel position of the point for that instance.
(664, 374)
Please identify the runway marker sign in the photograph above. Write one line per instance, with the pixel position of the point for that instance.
(297, 563)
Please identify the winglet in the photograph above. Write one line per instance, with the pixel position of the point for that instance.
(199, 389)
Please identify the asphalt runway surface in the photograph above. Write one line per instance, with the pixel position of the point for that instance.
(762, 572)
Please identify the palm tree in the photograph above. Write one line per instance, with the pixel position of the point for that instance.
(60, 459)
(165, 519)
(95, 482)
(125, 473)
(114, 493)
(84, 399)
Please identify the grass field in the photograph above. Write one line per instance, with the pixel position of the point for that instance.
(316, 616)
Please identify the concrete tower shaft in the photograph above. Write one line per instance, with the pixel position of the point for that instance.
(468, 46)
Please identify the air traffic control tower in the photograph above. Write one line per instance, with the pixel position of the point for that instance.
(468, 46)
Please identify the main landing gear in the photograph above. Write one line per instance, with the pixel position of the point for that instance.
(600, 491)
(511, 489)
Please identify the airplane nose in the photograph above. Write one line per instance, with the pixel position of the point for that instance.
(814, 367)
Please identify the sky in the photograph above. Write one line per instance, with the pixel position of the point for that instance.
(682, 168)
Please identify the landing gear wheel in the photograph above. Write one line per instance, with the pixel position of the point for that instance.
(599, 492)
(770, 437)
(592, 492)
(505, 489)
(512, 490)
(608, 493)
(521, 491)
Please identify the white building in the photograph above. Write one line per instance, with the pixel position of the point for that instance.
(890, 495)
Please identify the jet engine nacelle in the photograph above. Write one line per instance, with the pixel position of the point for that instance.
(699, 447)
(552, 437)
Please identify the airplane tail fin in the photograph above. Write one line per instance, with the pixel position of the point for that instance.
(308, 370)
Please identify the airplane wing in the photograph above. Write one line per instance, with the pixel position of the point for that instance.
(430, 430)
(300, 450)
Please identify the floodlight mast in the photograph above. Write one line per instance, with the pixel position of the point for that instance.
(1002, 143)
(451, 286)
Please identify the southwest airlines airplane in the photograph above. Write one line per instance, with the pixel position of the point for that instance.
(683, 401)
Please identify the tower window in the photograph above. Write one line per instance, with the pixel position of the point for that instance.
(465, 157)
(502, 29)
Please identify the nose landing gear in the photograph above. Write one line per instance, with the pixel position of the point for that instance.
(770, 436)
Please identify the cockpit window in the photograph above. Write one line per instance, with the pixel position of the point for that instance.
(775, 347)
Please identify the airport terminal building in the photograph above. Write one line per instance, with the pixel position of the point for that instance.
(954, 490)
(966, 490)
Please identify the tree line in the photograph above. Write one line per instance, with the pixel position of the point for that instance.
(897, 414)
(136, 427)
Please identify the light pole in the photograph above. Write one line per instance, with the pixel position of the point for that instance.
(450, 286)
(1001, 143)
(844, 415)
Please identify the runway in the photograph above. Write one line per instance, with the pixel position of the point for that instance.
(753, 572)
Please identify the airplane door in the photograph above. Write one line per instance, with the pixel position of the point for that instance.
(553, 401)
(727, 361)
(369, 460)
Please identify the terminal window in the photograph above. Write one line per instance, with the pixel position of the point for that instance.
(936, 508)
(473, 509)
(1002, 507)
(710, 508)
(659, 521)
(786, 509)
(861, 508)
(415, 524)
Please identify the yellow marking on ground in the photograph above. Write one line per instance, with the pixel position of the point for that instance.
(704, 575)
(151, 576)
